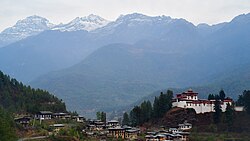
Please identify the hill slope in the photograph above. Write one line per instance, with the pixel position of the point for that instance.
(18, 98)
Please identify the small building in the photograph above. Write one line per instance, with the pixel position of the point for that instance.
(173, 130)
(131, 134)
(116, 132)
(44, 115)
(79, 119)
(24, 121)
(112, 123)
(184, 136)
(57, 127)
(96, 125)
(239, 108)
(185, 126)
(61, 115)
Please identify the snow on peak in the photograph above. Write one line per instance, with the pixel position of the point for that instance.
(88, 23)
(29, 26)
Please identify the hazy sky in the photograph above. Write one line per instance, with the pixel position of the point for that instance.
(195, 11)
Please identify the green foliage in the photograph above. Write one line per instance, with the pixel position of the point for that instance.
(162, 104)
(222, 94)
(229, 116)
(101, 116)
(211, 97)
(145, 112)
(244, 100)
(16, 97)
(217, 108)
(125, 120)
(6, 126)
(135, 116)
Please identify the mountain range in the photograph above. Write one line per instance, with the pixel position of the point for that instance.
(34, 25)
(127, 59)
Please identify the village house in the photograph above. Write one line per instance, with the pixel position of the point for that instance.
(117, 132)
(185, 126)
(96, 125)
(57, 127)
(61, 115)
(112, 123)
(80, 119)
(124, 132)
(44, 115)
(24, 121)
(189, 99)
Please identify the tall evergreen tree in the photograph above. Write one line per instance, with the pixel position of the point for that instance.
(210, 97)
(229, 116)
(135, 116)
(156, 108)
(103, 117)
(217, 110)
(222, 94)
(246, 100)
(6, 126)
(125, 119)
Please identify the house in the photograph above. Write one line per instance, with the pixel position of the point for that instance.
(184, 136)
(112, 123)
(131, 134)
(96, 125)
(173, 130)
(57, 127)
(189, 99)
(78, 118)
(124, 133)
(239, 108)
(44, 115)
(61, 115)
(24, 121)
(185, 126)
(116, 132)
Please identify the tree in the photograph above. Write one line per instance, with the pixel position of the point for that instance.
(6, 126)
(103, 117)
(210, 97)
(125, 119)
(156, 108)
(246, 100)
(229, 116)
(135, 116)
(222, 94)
(162, 104)
(217, 109)
(240, 101)
(98, 115)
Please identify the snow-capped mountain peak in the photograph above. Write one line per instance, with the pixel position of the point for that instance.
(88, 23)
(29, 26)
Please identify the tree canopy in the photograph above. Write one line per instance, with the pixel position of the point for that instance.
(16, 97)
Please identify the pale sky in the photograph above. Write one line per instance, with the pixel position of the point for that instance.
(56, 11)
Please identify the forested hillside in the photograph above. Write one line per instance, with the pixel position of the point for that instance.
(18, 98)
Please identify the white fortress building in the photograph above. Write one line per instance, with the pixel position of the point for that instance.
(190, 99)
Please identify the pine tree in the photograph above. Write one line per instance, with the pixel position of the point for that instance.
(229, 116)
(210, 97)
(222, 94)
(217, 109)
(6, 126)
(125, 120)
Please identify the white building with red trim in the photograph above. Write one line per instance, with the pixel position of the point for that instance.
(189, 99)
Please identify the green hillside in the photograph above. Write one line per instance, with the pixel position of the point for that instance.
(18, 98)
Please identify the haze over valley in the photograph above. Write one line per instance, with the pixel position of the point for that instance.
(94, 64)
